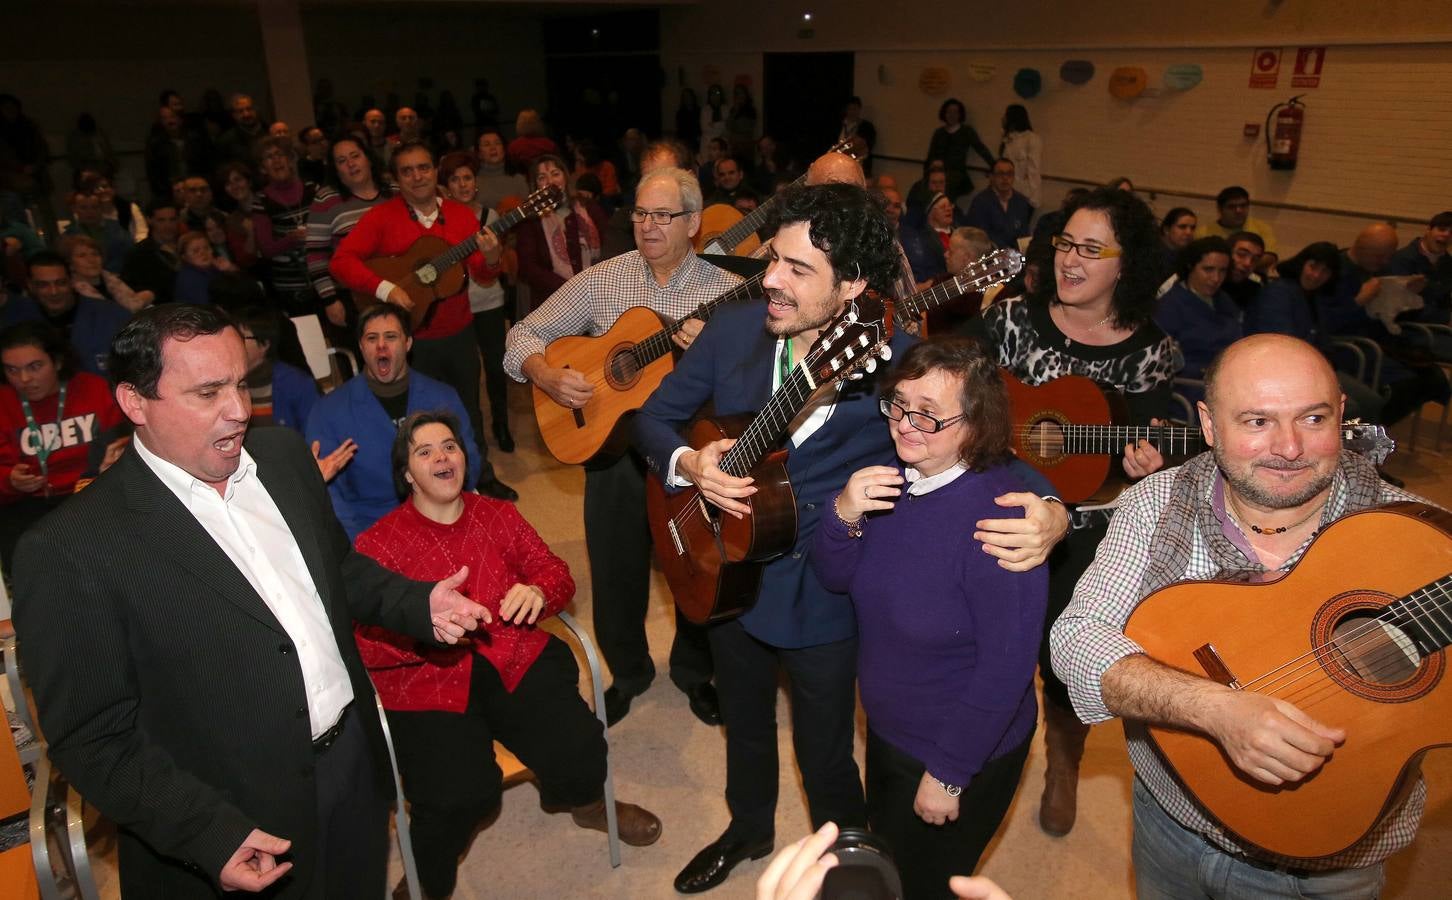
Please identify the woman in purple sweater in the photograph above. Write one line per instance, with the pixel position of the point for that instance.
(948, 640)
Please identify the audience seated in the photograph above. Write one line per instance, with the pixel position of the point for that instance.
(56, 428)
(728, 180)
(494, 178)
(713, 150)
(199, 268)
(1427, 256)
(87, 219)
(530, 141)
(375, 132)
(366, 410)
(514, 682)
(118, 209)
(771, 163)
(588, 161)
(1232, 214)
(281, 394)
(90, 279)
(153, 263)
(88, 324)
(933, 182)
(313, 163)
(999, 209)
(1287, 305)
(1243, 281)
(236, 182)
(197, 206)
(1195, 312)
(927, 247)
(174, 151)
(239, 142)
(966, 246)
(1177, 230)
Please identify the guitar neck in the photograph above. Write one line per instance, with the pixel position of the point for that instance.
(1425, 615)
(727, 240)
(468, 245)
(765, 431)
(659, 344)
(1168, 439)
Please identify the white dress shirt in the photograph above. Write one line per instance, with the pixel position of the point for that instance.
(250, 529)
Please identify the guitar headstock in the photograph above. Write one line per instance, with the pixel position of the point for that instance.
(852, 343)
(846, 149)
(996, 267)
(543, 201)
(1371, 441)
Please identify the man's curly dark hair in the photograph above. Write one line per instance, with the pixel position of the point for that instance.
(1137, 232)
(850, 227)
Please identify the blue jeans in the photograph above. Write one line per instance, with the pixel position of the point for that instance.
(1173, 863)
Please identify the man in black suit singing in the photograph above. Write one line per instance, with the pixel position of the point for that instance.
(186, 623)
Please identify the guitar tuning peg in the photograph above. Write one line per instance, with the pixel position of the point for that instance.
(871, 365)
(886, 353)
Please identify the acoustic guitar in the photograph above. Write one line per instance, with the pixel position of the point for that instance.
(725, 230)
(625, 364)
(1073, 430)
(1356, 636)
(713, 561)
(430, 269)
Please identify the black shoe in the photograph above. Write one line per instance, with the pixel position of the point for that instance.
(617, 704)
(503, 438)
(497, 489)
(704, 702)
(711, 866)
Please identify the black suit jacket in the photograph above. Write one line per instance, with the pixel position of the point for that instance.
(169, 694)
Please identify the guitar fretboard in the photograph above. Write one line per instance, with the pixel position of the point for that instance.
(461, 250)
(1111, 439)
(727, 240)
(765, 431)
(659, 344)
(1425, 615)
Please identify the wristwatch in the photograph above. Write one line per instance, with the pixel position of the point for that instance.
(952, 790)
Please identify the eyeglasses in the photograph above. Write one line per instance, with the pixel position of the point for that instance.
(1086, 251)
(920, 420)
(660, 217)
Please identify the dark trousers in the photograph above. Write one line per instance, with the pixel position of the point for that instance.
(823, 703)
(352, 814)
(926, 854)
(617, 541)
(455, 361)
(1067, 562)
(447, 761)
(489, 331)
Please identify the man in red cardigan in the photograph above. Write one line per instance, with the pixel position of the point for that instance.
(443, 347)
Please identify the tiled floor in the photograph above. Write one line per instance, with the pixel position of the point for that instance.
(666, 760)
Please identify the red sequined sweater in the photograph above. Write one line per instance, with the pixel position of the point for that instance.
(501, 550)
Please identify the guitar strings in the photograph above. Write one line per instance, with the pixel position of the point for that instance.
(1308, 664)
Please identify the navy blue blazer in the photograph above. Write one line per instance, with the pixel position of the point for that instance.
(730, 366)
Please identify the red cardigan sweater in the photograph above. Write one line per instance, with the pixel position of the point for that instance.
(501, 550)
(78, 442)
(389, 229)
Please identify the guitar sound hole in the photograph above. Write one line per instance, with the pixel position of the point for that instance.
(1046, 439)
(1376, 652)
(622, 369)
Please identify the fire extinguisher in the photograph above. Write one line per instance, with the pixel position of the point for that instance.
(1283, 141)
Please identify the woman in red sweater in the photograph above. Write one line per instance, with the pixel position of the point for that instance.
(514, 683)
(56, 427)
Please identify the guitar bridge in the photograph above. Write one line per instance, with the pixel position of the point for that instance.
(1215, 667)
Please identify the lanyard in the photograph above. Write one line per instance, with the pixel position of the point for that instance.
(784, 363)
(43, 449)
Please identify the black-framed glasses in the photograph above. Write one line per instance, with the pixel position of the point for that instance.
(661, 217)
(1086, 251)
(920, 420)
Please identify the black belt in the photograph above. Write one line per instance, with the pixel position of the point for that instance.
(325, 740)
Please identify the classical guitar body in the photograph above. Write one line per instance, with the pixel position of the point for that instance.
(713, 561)
(577, 435)
(403, 270)
(1310, 632)
(1041, 416)
(716, 219)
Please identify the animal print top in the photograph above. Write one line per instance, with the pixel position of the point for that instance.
(1030, 345)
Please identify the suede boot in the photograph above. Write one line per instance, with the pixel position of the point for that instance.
(638, 827)
(1064, 738)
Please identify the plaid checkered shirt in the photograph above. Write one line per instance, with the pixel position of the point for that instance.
(591, 301)
(1089, 638)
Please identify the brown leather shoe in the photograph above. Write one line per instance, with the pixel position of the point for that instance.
(1064, 738)
(638, 827)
